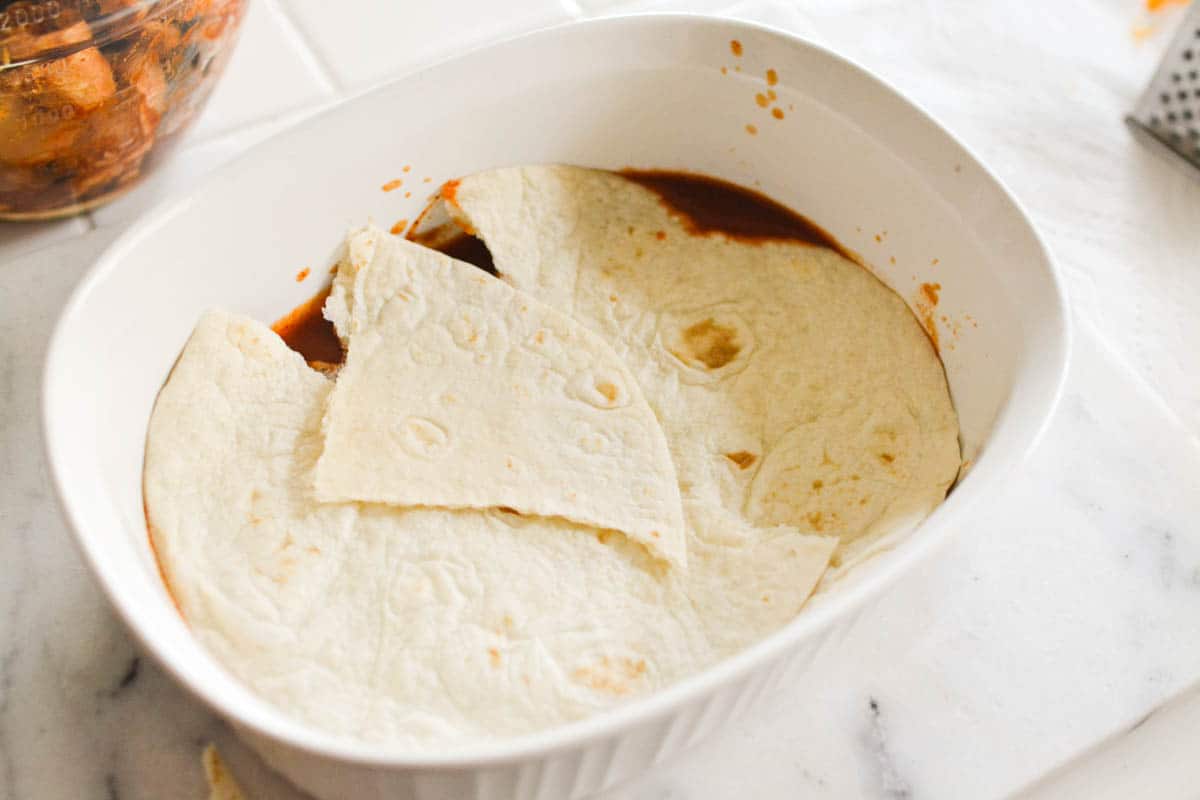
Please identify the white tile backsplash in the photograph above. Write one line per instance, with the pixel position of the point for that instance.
(194, 161)
(270, 73)
(396, 37)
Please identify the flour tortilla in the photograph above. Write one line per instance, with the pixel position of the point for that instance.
(460, 392)
(421, 629)
(793, 387)
(221, 783)
(771, 368)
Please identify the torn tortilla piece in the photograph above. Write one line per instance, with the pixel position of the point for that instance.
(460, 392)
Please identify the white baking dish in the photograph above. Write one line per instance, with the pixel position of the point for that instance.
(645, 91)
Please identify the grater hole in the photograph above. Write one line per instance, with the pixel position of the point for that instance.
(1176, 77)
(1155, 120)
(1187, 55)
(1172, 116)
(1192, 74)
(1196, 94)
(1165, 97)
(1194, 134)
(1182, 95)
(1187, 115)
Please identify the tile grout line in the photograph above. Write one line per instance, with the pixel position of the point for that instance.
(281, 121)
(296, 32)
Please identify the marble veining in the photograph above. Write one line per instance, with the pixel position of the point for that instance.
(891, 784)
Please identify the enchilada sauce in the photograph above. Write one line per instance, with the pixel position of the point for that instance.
(704, 206)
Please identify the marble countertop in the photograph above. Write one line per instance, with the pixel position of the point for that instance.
(1050, 651)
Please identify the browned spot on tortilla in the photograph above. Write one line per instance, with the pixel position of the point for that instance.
(751, 129)
(743, 459)
(302, 274)
(540, 337)
(709, 343)
(399, 227)
(826, 461)
(930, 290)
(771, 94)
(735, 47)
(508, 510)
(762, 100)
(656, 534)
(494, 656)
(660, 235)
(611, 675)
(608, 390)
(816, 520)
(407, 168)
(392, 185)
(772, 77)
(777, 113)
(313, 549)
(816, 485)
(887, 458)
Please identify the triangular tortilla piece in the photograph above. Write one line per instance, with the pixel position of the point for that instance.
(460, 392)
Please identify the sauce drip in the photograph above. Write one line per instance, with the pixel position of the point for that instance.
(306, 331)
(706, 206)
(472, 250)
(710, 205)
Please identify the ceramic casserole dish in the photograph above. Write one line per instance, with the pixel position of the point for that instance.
(654, 91)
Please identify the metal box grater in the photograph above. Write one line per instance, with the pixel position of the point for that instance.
(1168, 113)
